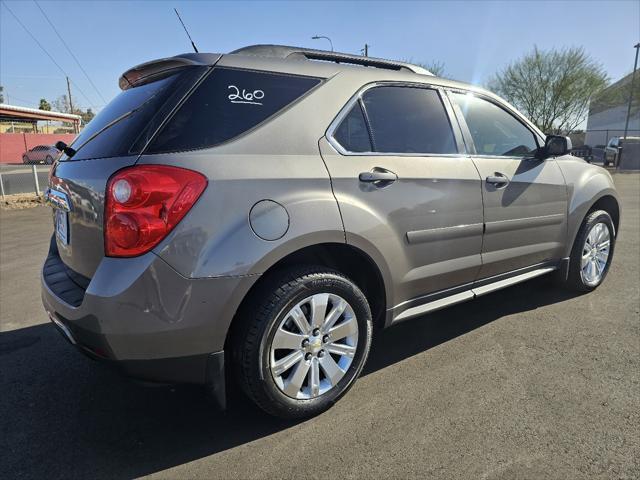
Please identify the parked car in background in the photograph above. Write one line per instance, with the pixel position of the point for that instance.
(610, 153)
(40, 154)
(612, 150)
(253, 215)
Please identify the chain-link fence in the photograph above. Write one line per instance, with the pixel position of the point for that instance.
(25, 179)
(592, 145)
(599, 138)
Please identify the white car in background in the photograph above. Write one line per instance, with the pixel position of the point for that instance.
(40, 154)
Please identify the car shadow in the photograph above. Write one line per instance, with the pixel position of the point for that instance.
(64, 415)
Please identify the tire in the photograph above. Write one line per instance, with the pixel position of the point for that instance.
(25, 160)
(269, 314)
(579, 279)
(48, 160)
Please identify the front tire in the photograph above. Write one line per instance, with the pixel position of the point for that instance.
(592, 252)
(304, 340)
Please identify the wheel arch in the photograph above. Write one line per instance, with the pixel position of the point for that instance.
(589, 187)
(347, 259)
(608, 202)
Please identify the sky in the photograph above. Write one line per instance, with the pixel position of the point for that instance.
(473, 39)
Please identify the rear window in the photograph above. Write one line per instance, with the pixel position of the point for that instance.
(228, 103)
(144, 105)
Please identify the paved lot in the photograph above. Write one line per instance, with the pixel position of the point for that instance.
(529, 382)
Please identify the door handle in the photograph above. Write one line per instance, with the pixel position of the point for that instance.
(498, 179)
(378, 175)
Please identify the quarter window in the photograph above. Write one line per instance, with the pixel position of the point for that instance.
(494, 131)
(226, 104)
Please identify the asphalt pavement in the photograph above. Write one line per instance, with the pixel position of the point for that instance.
(529, 382)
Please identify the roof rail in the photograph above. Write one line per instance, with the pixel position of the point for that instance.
(283, 51)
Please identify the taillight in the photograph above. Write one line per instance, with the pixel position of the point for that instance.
(144, 203)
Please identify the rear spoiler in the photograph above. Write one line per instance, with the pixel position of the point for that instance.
(149, 71)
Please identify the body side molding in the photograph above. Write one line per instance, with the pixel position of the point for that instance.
(474, 292)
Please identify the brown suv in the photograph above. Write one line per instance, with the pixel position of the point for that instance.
(251, 216)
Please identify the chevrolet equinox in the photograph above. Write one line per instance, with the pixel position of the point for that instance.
(251, 216)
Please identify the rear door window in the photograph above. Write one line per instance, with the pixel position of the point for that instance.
(228, 103)
(408, 120)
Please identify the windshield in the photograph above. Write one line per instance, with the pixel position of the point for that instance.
(113, 132)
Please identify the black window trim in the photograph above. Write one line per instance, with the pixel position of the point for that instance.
(185, 98)
(359, 98)
(517, 116)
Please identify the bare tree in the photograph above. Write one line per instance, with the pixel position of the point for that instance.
(553, 88)
(61, 104)
(435, 66)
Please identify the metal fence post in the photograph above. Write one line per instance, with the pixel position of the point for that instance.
(2, 187)
(35, 179)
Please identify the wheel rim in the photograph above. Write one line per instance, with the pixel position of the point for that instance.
(314, 346)
(595, 254)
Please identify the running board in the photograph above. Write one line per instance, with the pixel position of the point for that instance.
(469, 294)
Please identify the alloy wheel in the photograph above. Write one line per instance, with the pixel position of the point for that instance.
(313, 346)
(595, 254)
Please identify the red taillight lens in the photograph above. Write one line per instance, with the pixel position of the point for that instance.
(143, 205)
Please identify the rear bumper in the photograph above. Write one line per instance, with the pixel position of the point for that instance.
(145, 318)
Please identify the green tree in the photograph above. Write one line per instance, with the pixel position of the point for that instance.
(44, 105)
(552, 87)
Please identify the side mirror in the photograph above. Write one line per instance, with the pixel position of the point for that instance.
(556, 145)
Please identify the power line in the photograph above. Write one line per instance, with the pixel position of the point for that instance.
(12, 97)
(47, 53)
(69, 50)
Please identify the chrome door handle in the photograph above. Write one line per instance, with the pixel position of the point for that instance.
(498, 179)
(378, 175)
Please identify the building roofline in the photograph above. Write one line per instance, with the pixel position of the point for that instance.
(37, 114)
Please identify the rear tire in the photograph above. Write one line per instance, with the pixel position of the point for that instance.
(48, 160)
(285, 355)
(592, 252)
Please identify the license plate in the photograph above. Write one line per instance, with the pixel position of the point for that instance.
(62, 226)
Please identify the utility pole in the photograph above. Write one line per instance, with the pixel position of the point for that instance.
(75, 124)
(626, 123)
(69, 90)
(365, 50)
